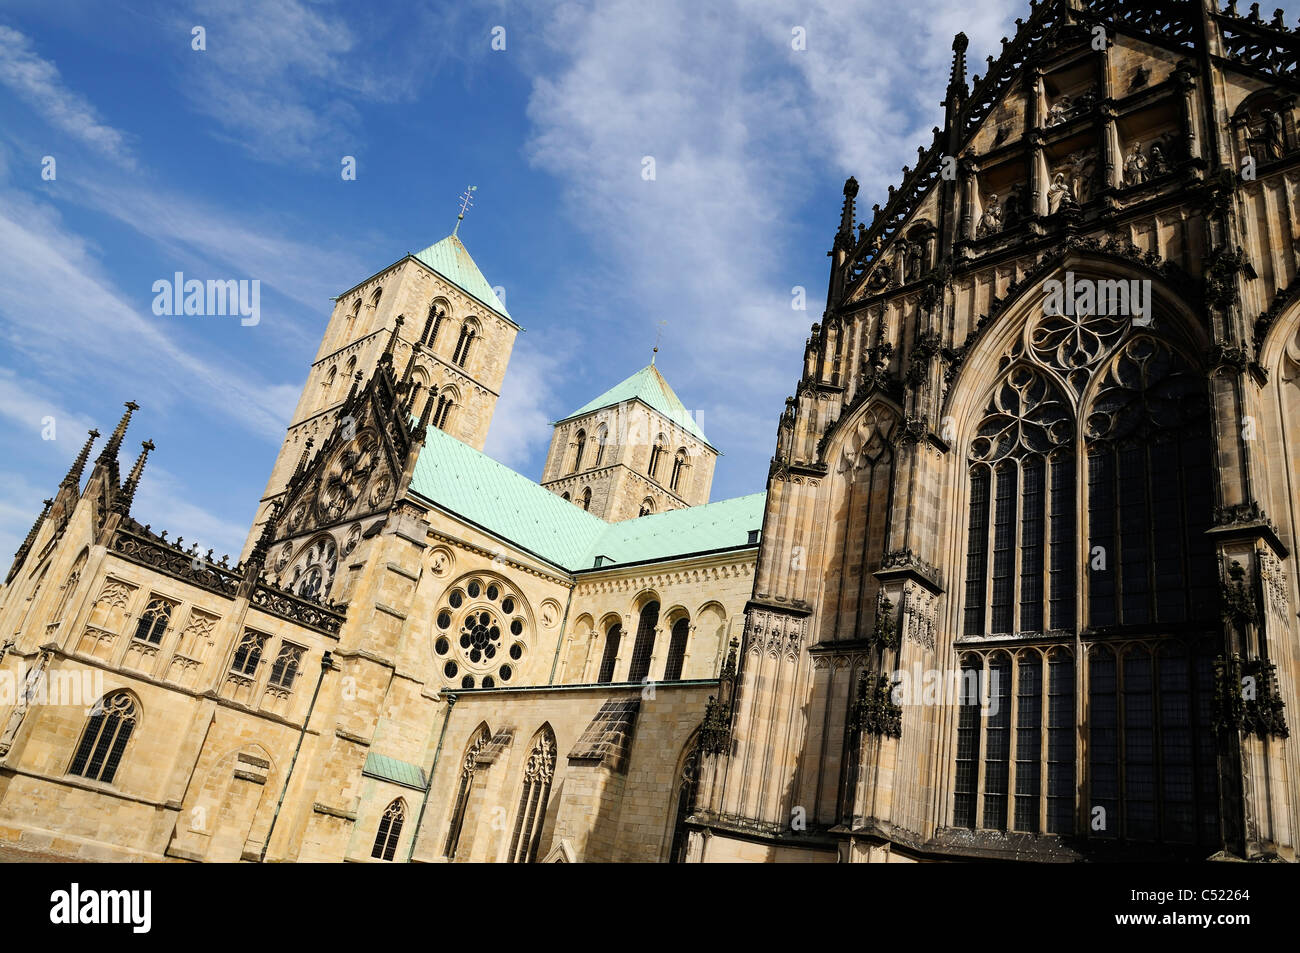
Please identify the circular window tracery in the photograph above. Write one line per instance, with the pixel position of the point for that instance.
(480, 631)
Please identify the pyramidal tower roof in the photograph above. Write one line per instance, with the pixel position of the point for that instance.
(450, 258)
(648, 386)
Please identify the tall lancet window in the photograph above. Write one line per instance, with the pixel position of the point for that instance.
(530, 816)
(1023, 442)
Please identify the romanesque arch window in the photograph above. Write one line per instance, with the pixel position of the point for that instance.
(656, 454)
(352, 320)
(607, 661)
(602, 435)
(677, 649)
(390, 831)
(647, 507)
(580, 444)
(104, 739)
(469, 766)
(154, 619)
(461, 355)
(688, 780)
(644, 646)
(442, 412)
(530, 816)
(327, 386)
(679, 467)
(433, 323)
(586, 498)
(374, 299)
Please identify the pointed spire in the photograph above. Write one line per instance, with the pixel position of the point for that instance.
(31, 533)
(844, 237)
(387, 356)
(73, 479)
(123, 503)
(957, 78)
(108, 455)
(263, 544)
(302, 461)
(410, 365)
(427, 413)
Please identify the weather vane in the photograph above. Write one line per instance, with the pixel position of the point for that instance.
(466, 203)
(658, 334)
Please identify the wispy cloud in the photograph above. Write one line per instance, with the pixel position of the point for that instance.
(37, 82)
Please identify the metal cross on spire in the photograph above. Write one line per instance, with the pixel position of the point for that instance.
(466, 203)
(658, 335)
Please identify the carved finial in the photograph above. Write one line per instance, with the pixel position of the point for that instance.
(302, 461)
(1254, 13)
(31, 533)
(73, 479)
(387, 356)
(957, 78)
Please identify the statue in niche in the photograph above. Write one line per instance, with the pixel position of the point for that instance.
(1270, 134)
(912, 254)
(1060, 194)
(1080, 170)
(1059, 111)
(1157, 159)
(1013, 206)
(991, 220)
(1135, 165)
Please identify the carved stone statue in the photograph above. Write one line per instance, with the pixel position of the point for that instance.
(912, 253)
(1059, 111)
(1135, 165)
(1156, 157)
(1060, 194)
(1270, 134)
(1013, 206)
(991, 220)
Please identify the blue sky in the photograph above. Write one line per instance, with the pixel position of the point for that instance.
(225, 163)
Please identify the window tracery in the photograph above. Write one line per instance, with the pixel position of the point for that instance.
(480, 632)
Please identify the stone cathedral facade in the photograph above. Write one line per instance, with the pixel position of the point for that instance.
(1021, 586)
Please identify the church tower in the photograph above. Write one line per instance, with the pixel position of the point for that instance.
(633, 451)
(453, 339)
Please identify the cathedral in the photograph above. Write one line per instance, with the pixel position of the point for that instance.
(1020, 586)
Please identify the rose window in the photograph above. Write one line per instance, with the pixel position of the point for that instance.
(479, 633)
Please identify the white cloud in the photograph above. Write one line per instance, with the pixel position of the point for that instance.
(743, 130)
(521, 423)
(37, 82)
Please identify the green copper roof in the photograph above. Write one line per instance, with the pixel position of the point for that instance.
(390, 769)
(648, 385)
(450, 259)
(508, 504)
(476, 488)
(695, 529)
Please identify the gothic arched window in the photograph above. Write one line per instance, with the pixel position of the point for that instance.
(108, 729)
(687, 789)
(390, 830)
(314, 574)
(586, 498)
(530, 816)
(677, 649)
(469, 767)
(153, 620)
(602, 434)
(69, 584)
(1026, 433)
(644, 647)
(1149, 454)
(608, 660)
